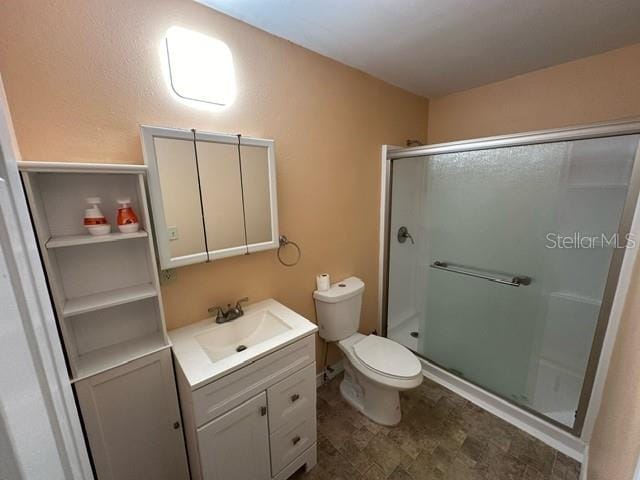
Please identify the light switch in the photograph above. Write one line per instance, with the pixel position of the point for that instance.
(173, 233)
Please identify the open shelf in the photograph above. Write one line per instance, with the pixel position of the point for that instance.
(106, 291)
(112, 298)
(115, 355)
(71, 240)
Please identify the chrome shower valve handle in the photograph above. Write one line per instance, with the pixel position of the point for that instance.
(403, 234)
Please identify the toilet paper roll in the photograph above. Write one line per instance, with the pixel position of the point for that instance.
(323, 282)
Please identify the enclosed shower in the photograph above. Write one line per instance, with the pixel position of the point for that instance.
(502, 257)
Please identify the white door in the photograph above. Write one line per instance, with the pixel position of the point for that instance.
(132, 420)
(235, 446)
(40, 433)
(24, 423)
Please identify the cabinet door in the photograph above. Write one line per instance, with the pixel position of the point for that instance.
(235, 446)
(178, 226)
(132, 420)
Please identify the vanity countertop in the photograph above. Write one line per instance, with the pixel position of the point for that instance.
(197, 365)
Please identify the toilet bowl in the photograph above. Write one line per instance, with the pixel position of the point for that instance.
(376, 368)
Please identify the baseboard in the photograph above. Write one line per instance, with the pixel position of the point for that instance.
(331, 372)
(551, 435)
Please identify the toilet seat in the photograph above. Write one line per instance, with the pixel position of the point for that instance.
(381, 377)
(386, 357)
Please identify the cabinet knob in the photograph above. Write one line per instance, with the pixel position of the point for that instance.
(176, 425)
(263, 411)
(295, 440)
(295, 397)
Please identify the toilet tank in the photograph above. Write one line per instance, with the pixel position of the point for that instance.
(338, 309)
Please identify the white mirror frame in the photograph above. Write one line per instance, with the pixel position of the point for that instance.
(147, 134)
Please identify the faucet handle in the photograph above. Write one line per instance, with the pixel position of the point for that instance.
(239, 302)
(219, 310)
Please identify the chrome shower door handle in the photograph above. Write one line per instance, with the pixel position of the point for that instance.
(403, 234)
(514, 281)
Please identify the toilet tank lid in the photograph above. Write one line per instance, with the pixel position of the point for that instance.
(339, 291)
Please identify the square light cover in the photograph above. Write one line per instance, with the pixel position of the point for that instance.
(200, 67)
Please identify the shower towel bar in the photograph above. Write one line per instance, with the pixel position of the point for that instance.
(513, 282)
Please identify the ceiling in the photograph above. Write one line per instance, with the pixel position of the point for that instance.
(435, 47)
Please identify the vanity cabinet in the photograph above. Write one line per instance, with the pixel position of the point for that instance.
(257, 422)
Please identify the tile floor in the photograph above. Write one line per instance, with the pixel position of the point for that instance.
(441, 436)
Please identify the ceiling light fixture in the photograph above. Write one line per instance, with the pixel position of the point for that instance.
(200, 68)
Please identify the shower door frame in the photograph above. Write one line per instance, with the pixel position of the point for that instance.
(583, 132)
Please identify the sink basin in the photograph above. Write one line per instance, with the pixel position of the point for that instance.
(240, 334)
(206, 351)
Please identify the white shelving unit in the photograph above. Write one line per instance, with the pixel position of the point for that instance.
(106, 294)
(105, 288)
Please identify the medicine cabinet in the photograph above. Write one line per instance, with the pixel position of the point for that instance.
(212, 195)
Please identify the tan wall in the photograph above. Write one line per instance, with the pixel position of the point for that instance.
(598, 88)
(615, 445)
(593, 89)
(81, 75)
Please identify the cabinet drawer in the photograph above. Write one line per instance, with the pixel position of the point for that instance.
(227, 392)
(292, 440)
(291, 396)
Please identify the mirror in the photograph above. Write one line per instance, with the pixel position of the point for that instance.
(210, 196)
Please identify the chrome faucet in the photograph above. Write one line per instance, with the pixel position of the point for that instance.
(231, 313)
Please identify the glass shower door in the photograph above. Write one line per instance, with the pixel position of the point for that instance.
(483, 285)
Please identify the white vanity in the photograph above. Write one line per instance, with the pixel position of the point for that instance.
(248, 394)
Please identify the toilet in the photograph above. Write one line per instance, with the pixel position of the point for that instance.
(376, 368)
